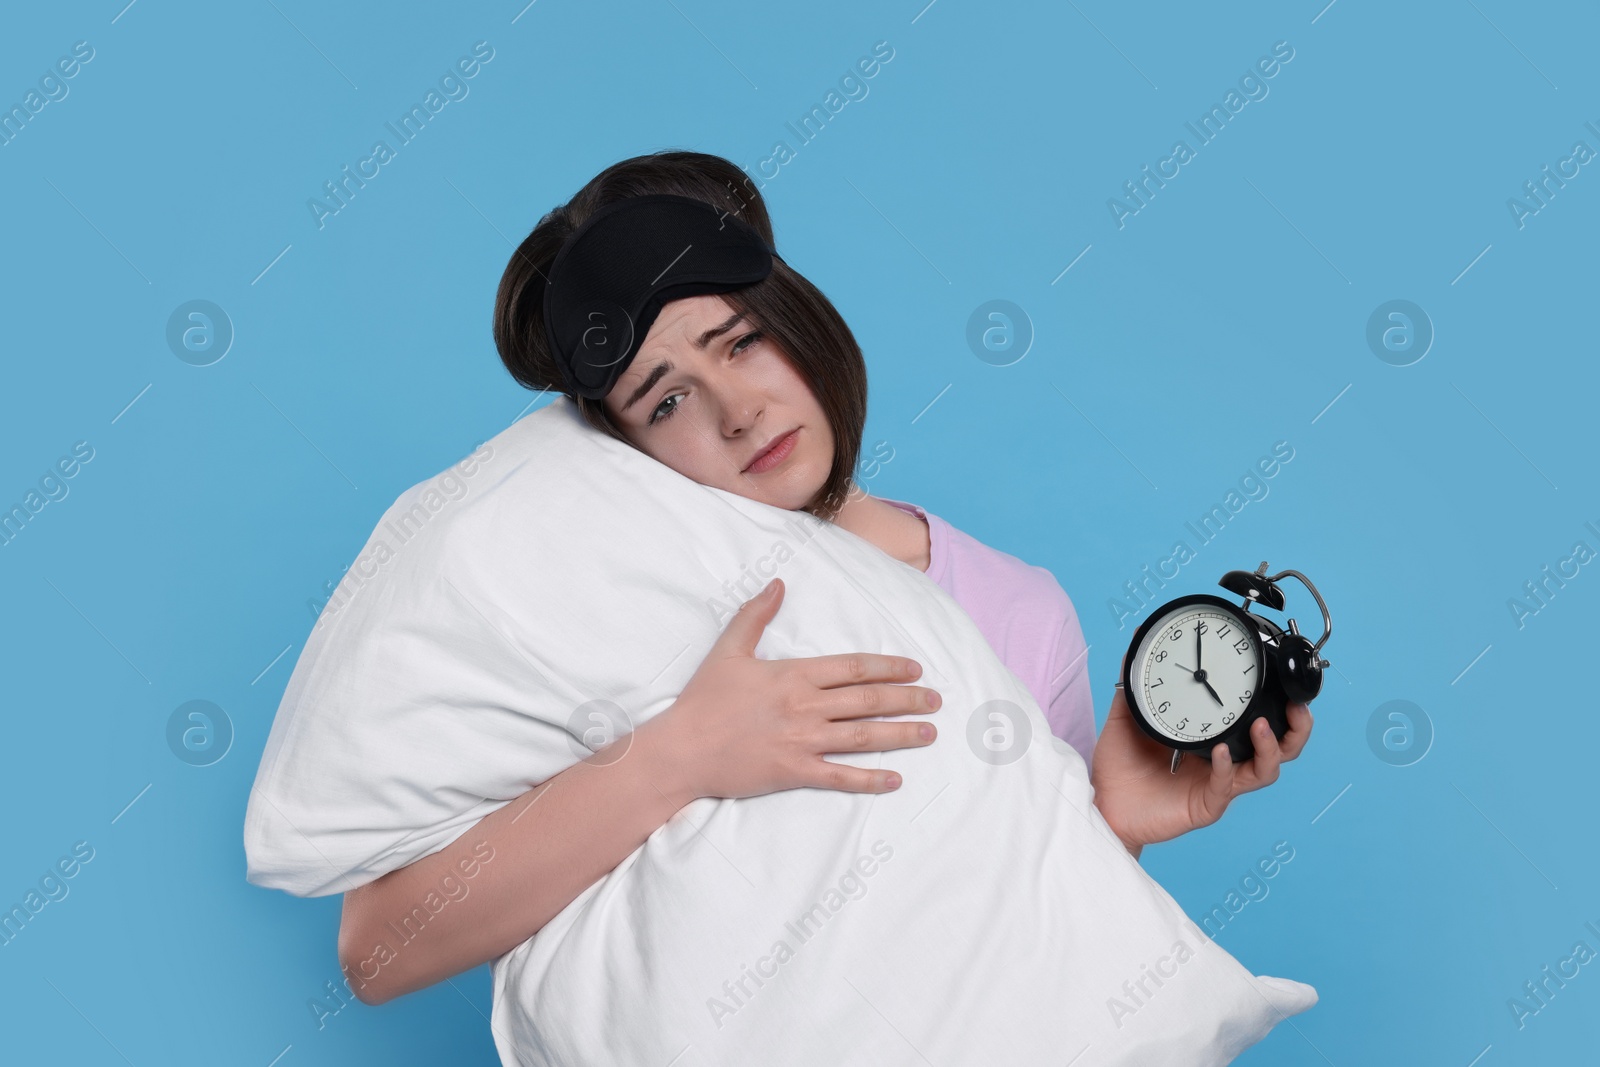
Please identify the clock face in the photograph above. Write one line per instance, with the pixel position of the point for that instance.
(1196, 670)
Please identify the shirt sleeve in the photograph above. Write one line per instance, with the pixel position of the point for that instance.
(1070, 710)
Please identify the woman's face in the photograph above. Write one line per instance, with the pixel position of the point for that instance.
(725, 395)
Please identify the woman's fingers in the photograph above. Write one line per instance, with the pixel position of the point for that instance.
(826, 774)
(1264, 765)
(744, 630)
(863, 736)
(854, 668)
(848, 690)
(1218, 789)
(1226, 780)
(1294, 742)
(860, 701)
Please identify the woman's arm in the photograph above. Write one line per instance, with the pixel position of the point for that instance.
(530, 860)
(742, 726)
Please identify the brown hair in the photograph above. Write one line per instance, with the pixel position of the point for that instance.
(804, 325)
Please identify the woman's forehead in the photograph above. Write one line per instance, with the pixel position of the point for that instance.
(688, 316)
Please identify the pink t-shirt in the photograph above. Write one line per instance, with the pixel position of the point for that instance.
(1027, 618)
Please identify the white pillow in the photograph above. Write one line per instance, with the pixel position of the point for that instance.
(984, 913)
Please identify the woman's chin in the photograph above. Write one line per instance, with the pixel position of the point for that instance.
(790, 487)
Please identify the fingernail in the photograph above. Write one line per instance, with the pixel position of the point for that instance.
(934, 700)
(925, 731)
(893, 781)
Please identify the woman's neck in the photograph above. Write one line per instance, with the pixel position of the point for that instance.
(899, 533)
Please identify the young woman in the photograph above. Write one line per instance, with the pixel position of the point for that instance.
(762, 392)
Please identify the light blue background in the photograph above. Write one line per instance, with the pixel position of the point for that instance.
(1228, 314)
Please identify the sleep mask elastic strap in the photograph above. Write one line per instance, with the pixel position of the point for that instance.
(617, 270)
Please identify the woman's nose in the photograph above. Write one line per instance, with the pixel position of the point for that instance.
(739, 416)
(737, 405)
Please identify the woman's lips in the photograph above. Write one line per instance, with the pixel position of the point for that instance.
(774, 455)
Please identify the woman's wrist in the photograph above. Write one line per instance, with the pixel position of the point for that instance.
(1133, 845)
(665, 761)
(1128, 841)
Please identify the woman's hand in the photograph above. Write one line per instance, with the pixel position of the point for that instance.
(1144, 802)
(745, 726)
(742, 726)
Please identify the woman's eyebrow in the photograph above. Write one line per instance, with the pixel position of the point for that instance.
(657, 372)
(717, 331)
(663, 368)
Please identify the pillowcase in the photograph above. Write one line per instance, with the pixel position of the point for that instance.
(559, 587)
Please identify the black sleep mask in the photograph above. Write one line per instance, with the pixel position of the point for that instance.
(615, 272)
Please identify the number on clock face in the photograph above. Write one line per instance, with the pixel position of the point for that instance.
(1197, 670)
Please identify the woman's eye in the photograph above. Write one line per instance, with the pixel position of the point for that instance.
(748, 340)
(657, 415)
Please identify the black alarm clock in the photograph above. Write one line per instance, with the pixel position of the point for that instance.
(1200, 670)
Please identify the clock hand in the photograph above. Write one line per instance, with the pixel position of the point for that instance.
(1199, 675)
(1197, 662)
